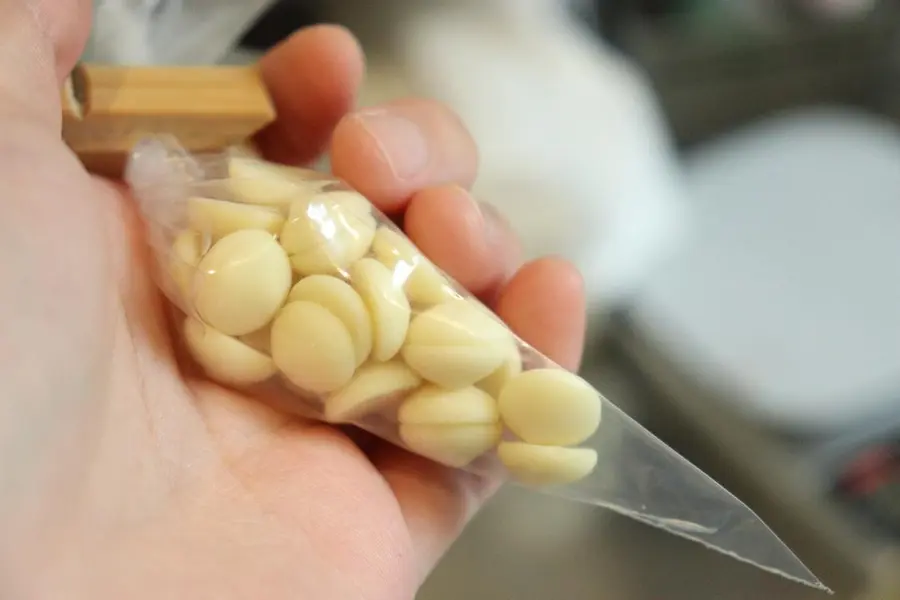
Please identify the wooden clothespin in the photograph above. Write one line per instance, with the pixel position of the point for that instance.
(107, 109)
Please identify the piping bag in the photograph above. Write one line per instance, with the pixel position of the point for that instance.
(291, 287)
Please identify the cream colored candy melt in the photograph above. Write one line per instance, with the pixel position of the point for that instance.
(312, 347)
(535, 465)
(218, 218)
(373, 388)
(352, 201)
(512, 366)
(452, 427)
(323, 237)
(550, 407)
(241, 282)
(455, 445)
(388, 306)
(423, 282)
(433, 405)
(257, 182)
(224, 358)
(344, 302)
(455, 344)
(187, 248)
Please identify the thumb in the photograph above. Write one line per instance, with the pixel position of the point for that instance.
(40, 41)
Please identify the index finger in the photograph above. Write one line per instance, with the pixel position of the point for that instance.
(313, 78)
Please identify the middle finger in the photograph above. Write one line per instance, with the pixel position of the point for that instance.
(467, 239)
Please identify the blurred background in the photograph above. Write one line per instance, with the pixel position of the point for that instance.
(726, 173)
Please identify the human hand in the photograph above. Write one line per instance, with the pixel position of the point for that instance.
(121, 475)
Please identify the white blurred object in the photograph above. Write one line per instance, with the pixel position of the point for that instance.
(786, 301)
(573, 148)
(141, 32)
(122, 31)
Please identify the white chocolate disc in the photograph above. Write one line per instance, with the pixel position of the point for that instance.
(218, 218)
(483, 309)
(323, 237)
(451, 445)
(187, 248)
(424, 284)
(312, 347)
(388, 306)
(224, 358)
(374, 387)
(241, 282)
(512, 366)
(344, 302)
(535, 465)
(455, 344)
(257, 182)
(351, 201)
(551, 407)
(434, 405)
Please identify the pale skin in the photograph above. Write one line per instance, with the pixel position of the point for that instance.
(123, 474)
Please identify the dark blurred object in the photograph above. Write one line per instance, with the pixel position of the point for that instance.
(715, 70)
(833, 10)
(865, 470)
(280, 21)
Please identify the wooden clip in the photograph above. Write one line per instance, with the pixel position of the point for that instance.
(107, 109)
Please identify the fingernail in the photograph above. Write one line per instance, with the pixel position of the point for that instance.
(498, 237)
(400, 140)
(490, 219)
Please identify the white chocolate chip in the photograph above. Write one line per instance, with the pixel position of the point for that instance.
(374, 387)
(434, 405)
(241, 282)
(451, 445)
(424, 284)
(344, 302)
(224, 358)
(323, 237)
(550, 407)
(352, 201)
(454, 344)
(256, 182)
(484, 309)
(535, 465)
(512, 366)
(312, 347)
(388, 306)
(452, 427)
(218, 218)
(187, 248)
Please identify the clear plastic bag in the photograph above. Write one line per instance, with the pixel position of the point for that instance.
(168, 32)
(293, 288)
